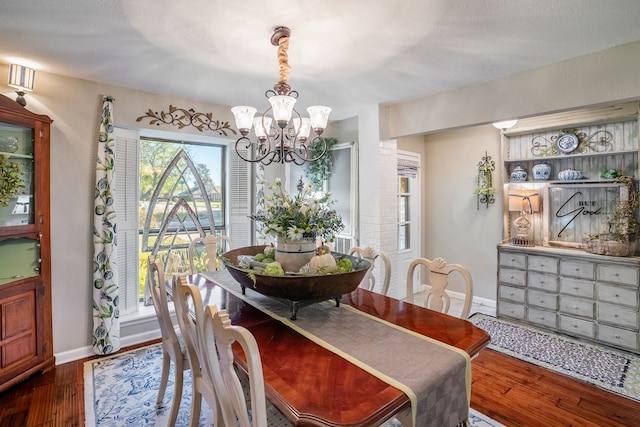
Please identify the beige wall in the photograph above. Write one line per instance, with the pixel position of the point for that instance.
(608, 76)
(74, 105)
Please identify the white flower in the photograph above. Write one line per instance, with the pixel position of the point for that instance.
(295, 233)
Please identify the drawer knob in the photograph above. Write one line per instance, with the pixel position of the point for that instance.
(576, 288)
(575, 326)
(617, 296)
(617, 337)
(616, 274)
(575, 307)
(541, 301)
(615, 315)
(577, 269)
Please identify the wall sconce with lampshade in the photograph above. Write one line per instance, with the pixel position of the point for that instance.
(21, 78)
(526, 202)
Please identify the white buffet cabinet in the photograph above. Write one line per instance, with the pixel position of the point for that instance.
(572, 292)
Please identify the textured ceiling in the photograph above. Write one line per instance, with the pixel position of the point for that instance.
(343, 53)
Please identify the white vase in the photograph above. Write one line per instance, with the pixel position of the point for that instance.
(293, 254)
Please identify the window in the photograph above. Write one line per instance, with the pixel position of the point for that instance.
(404, 214)
(169, 191)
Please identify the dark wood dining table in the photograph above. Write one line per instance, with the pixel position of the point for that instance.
(311, 385)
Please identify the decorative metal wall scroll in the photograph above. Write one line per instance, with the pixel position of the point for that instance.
(572, 140)
(484, 186)
(181, 118)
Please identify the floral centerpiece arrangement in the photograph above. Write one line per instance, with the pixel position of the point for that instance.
(303, 216)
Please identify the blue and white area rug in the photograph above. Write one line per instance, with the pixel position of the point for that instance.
(614, 370)
(121, 390)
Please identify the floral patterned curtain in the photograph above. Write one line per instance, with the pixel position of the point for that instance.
(106, 313)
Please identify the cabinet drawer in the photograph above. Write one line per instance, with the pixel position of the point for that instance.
(510, 259)
(617, 315)
(618, 274)
(511, 276)
(618, 337)
(544, 318)
(508, 309)
(577, 306)
(579, 288)
(547, 282)
(512, 294)
(617, 295)
(581, 270)
(543, 300)
(575, 326)
(543, 264)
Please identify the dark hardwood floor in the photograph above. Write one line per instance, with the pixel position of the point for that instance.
(512, 392)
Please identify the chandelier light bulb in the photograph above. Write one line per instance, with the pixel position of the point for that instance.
(319, 116)
(282, 108)
(302, 128)
(262, 126)
(244, 117)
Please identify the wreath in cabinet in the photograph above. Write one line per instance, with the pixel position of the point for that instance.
(11, 181)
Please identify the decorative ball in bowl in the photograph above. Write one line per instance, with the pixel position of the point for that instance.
(296, 287)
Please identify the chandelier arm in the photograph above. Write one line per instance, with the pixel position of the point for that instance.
(249, 147)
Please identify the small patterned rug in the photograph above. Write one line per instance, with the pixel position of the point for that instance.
(605, 367)
(121, 390)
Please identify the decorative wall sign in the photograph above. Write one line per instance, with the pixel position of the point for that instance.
(181, 118)
(578, 211)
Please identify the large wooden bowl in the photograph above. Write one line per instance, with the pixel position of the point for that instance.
(297, 287)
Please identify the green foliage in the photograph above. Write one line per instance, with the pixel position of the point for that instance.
(320, 170)
(623, 222)
(10, 180)
(297, 217)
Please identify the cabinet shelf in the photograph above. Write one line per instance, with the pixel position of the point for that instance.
(571, 156)
(17, 156)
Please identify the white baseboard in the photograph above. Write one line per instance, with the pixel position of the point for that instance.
(83, 352)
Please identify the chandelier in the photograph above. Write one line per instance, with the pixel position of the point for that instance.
(281, 133)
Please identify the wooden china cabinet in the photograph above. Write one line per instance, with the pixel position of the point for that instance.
(26, 339)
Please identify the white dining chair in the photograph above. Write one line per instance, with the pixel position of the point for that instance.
(437, 297)
(220, 335)
(203, 252)
(190, 313)
(173, 347)
(370, 254)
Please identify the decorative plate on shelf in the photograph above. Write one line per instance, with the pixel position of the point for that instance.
(567, 142)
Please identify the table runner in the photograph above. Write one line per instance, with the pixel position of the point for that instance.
(435, 376)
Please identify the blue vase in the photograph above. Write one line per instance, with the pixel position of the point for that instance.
(518, 174)
(541, 172)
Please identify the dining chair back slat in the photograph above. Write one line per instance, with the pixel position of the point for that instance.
(437, 297)
(190, 313)
(173, 348)
(371, 255)
(203, 253)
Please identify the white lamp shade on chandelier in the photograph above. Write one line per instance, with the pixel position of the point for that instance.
(282, 134)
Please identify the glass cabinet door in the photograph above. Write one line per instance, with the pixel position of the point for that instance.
(16, 154)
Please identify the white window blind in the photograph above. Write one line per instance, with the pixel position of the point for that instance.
(126, 204)
(240, 184)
